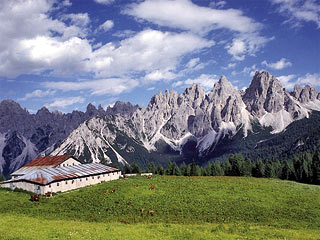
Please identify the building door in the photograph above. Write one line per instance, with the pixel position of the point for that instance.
(36, 189)
(12, 185)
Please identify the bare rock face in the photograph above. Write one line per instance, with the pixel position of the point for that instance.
(226, 105)
(305, 94)
(265, 94)
(123, 108)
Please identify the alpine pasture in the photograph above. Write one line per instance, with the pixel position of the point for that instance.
(167, 207)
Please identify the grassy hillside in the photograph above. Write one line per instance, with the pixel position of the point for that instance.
(183, 208)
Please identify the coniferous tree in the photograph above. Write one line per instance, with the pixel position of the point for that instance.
(246, 167)
(198, 171)
(193, 169)
(277, 168)
(316, 168)
(306, 168)
(288, 172)
(258, 170)
(236, 161)
(2, 178)
(151, 167)
(175, 170)
(127, 169)
(169, 170)
(207, 170)
(135, 168)
(160, 170)
(216, 169)
(184, 169)
(269, 171)
(188, 170)
(227, 168)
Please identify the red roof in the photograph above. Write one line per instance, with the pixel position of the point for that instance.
(48, 161)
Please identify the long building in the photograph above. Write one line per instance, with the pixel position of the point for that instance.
(67, 175)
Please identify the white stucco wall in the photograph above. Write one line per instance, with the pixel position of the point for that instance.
(67, 185)
(64, 185)
(31, 187)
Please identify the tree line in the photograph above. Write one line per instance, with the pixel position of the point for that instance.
(303, 168)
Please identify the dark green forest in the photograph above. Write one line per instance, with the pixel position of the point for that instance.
(302, 167)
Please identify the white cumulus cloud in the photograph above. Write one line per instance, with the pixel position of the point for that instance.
(287, 82)
(310, 79)
(148, 50)
(281, 64)
(186, 15)
(37, 94)
(105, 2)
(109, 86)
(64, 102)
(299, 11)
(107, 25)
(204, 80)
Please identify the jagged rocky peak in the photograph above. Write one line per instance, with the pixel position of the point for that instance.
(10, 106)
(122, 108)
(91, 110)
(161, 101)
(223, 88)
(194, 95)
(12, 116)
(305, 94)
(226, 105)
(43, 112)
(265, 94)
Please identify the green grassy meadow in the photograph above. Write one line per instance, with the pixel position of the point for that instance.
(180, 208)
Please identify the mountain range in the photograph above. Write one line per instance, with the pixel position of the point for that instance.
(179, 127)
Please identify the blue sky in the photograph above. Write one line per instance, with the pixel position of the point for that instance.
(66, 54)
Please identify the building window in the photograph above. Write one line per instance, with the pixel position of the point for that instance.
(38, 187)
(64, 165)
(86, 179)
(72, 181)
(98, 177)
(80, 179)
(49, 185)
(66, 182)
(113, 173)
(92, 177)
(57, 184)
(103, 175)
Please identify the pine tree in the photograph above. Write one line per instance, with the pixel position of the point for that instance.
(151, 167)
(216, 169)
(183, 169)
(193, 169)
(258, 170)
(269, 170)
(188, 170)
(316, 168)
(288, 172)
(127, 169)
(236, 161)
(2, 178)
(246, 167)
(227, 168)
(160, 170)
(135, 168)
(175, 170)
(169, 170)
(207, 170)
